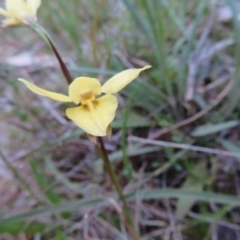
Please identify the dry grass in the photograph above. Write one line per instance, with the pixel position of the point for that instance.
(52, 181)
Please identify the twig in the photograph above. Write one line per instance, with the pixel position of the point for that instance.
(195, 59)
(185, 146)
(215, 84)
(198, 115)
(85, 227)
(22, 181)
(52, 111)
(218, 47)
(175, 235)
(164, 231)
(199, 56)
(16, 123)
(116, 234)
(24, 152)
(119, 210)
(18, 176)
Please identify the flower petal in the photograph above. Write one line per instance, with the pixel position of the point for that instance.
(83, 85)
(96, 120)
(34, 5)
(4, 13)
(120, 80)
(55, 96)
(11, 22)
(17, 8)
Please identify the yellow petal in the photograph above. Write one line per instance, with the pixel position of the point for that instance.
(20, 10)
(81, 86)
(17, 8)
(4, 13)
(34, 5)
(120, 80)
(55, 96)
(11, 22)
(96, 120)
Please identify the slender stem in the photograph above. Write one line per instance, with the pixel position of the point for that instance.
(113, 176)
(45, 36)
(61, 63)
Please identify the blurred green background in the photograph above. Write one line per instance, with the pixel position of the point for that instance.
(52, 181)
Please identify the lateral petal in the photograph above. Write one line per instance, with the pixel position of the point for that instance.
(96, 119)
(34, 5)
(40, 91)
(11, 22)
(4, 13)
(17, 8)
(120, 80)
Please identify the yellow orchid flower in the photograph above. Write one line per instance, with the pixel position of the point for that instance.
(94, 113)
(20, 12)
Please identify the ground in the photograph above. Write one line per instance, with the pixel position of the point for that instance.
(175, 142)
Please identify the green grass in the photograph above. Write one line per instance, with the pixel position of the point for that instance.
(53, 182)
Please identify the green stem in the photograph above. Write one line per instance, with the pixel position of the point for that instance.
(129, 220)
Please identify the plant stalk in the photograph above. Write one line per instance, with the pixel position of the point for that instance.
(45, 36)
(129, 221)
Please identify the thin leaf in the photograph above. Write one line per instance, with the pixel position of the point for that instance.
(15, 227)
(148, 194)
(191, 183)
(205, 130)
(62, 178)
(43, 182)
(60, 236)
(230, 146)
